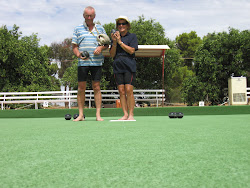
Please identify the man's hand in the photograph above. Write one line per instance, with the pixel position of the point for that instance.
(99, 49)
(77, 52)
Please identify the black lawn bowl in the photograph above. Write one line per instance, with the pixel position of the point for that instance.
(175, 115)
(180, 115)
(85, 54)
(172, 115)
(76, 116)
(67, 117)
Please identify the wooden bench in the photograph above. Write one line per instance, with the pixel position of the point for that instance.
(150, 95)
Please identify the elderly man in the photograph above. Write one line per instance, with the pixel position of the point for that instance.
(85, 39)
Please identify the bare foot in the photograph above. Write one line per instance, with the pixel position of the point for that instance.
(99, 119)
(130, 118)
(124, 118)
(79, 118)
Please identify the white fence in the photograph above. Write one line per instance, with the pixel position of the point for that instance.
(151, 95)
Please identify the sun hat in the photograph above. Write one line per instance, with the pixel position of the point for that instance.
(123, 18)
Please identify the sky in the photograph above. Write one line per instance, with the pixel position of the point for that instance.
(54, 20)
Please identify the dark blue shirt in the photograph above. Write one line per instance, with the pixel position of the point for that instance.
(123, 61)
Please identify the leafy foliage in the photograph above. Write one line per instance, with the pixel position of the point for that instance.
(188, 43)
(70, 76)
(63, 54)
(148, 32)
(24, 66)
(216, 59)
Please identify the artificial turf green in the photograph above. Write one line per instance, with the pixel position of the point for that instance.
(107, 112)
(196, 151)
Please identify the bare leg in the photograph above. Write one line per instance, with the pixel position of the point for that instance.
(81, 100)
(123, 100)
(130, 101)
(98, 99)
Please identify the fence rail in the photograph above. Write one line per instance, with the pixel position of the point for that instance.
(248, 92)
(153, 95)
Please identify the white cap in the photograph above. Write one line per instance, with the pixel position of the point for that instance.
(123, 18)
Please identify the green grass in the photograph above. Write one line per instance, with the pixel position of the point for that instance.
(107, 112)
(196, 151)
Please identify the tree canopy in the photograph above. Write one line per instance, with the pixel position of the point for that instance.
(219, 56)
(24, 66)
(188, 43)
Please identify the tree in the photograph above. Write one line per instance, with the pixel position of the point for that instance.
(176, 72)
(70, 76)
(24, 66)
(216, 59)
(188, 43)
(148, 32)
(149, 70)
(63, 54)
(193, 90)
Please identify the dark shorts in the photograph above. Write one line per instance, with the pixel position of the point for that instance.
(96, 73)
(125, 78)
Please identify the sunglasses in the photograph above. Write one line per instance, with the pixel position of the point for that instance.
(122, 23)
(91, 16)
